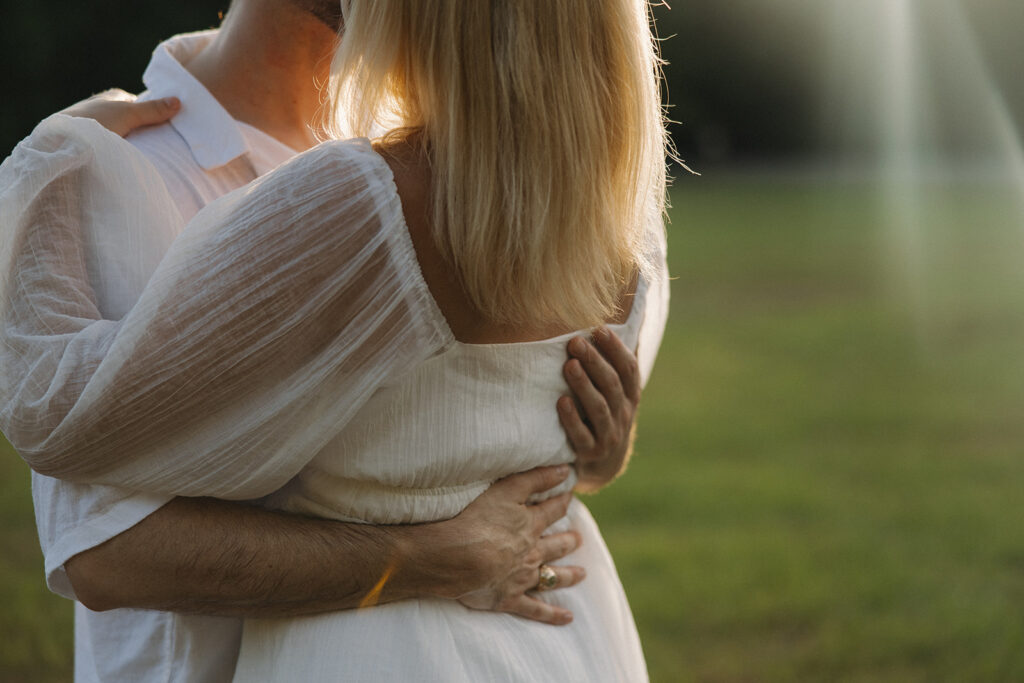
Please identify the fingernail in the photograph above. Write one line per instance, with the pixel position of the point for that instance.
(601, 334)
(172, 102)
(577, 346)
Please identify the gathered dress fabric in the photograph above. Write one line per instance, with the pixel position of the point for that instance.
(287, 347)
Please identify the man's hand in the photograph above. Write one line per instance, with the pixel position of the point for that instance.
(119, 112)
(606, 382)
(496, 548)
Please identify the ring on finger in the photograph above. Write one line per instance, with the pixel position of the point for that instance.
(548, 578)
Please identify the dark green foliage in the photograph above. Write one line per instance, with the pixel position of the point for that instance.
(746, 77)
(56, 53)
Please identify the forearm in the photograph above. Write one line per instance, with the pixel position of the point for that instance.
(213, 557)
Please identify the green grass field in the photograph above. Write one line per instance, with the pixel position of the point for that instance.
(828, 484)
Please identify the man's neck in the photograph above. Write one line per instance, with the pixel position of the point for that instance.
(265, 66)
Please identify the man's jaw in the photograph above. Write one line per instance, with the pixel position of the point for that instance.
(327, 11)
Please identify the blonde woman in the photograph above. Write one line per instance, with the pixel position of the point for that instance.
(515, 199)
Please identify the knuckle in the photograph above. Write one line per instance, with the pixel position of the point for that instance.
(614, 434)
(625, 416)
(632, 368)
(577, 382)
(567, 546)
(521, 581)
(550, 480)
(565, 416)
(535, 479)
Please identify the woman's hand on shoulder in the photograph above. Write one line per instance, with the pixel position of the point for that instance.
(604, 377)
(121, 112)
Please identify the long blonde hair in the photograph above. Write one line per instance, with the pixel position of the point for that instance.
(543, 125)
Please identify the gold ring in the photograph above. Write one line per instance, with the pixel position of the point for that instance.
(548, 578)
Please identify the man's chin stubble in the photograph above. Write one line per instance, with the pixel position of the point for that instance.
(327, 11)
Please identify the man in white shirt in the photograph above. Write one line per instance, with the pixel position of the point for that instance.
(195, 566)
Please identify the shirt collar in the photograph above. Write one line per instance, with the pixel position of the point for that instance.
(212, 135)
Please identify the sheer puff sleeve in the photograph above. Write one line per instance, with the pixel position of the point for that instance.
(274, 316)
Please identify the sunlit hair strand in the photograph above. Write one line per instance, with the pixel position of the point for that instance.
(543, 126)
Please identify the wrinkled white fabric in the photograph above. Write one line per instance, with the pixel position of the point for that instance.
(420, 450)
(441, 641)
(290, 322)
(426, 446)
(146, 646)
(271, 320)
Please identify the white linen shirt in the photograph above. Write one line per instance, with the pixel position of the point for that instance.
(201, 155)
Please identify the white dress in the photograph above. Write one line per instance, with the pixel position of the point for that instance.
(291, 320)
(421, 450)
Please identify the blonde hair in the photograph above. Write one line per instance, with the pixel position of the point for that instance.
(543, 125)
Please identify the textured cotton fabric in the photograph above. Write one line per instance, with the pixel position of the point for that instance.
(200, 156)
(270, 321)
(441, 641)
(284, 316)
(421, 450)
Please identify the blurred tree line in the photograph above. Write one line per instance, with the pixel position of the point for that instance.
(61, 51)
(745, 78)
(56, 54)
